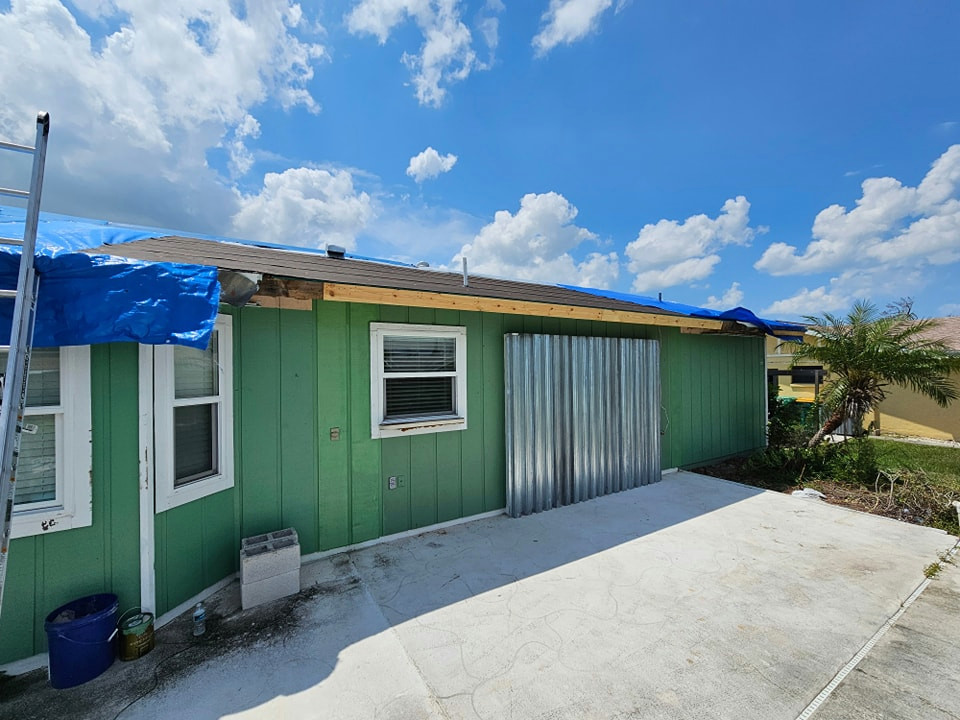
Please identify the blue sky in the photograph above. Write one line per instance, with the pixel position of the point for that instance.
(790, 157)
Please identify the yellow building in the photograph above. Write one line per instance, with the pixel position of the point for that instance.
(904, 412)
(798, 383)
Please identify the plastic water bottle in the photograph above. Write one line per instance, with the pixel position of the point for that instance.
(199, 620)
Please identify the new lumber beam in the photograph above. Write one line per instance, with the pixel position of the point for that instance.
(339, 292)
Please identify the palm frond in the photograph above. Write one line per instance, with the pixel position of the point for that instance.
(867, 351)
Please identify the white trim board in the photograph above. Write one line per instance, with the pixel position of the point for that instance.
(18, 667)
(148, 583)
(304, 559)
(176, 612)
(171, 615)
(25, 665)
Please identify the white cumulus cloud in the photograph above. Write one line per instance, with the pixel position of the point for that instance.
(730, 298)
(135, 112)
(669, 253)
(893, 225)
(839, 293)
(536, 243)
(430, 164)
(446, 56)
(566, 21)
(809, 302)
(305, 206)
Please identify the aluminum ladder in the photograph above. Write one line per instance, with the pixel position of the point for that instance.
(24, 299)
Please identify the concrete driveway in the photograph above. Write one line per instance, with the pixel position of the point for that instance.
(693, 597)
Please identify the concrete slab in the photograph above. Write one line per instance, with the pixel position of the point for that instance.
(912, 671)
(341, 661)
(693, 597)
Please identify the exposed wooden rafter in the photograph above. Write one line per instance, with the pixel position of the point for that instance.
(287, 293)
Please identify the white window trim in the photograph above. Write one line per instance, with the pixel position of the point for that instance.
(379, 429)
(168, 496)
(73, 507)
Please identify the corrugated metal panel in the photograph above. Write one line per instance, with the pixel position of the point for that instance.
(582, 418)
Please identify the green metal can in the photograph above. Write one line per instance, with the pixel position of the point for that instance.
(136, 634)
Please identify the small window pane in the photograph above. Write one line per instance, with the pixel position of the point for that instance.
(195, 371)
(37, 466)
(403, 354)
(806, 374)
(195, 454)
(43, 385)
(419, 397)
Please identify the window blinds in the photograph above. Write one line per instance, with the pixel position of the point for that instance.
(195, 371)
(406, 354)
(37, 464)
(195, 377)
(412, 389)
(194, 433)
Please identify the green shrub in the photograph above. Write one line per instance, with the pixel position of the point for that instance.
(790, 424)
(853, 462)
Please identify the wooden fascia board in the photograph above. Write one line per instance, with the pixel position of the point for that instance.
(338, 292)
(273, 286)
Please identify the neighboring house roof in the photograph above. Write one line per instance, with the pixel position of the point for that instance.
(947, 330)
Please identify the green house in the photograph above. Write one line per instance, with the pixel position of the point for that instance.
(349, 399)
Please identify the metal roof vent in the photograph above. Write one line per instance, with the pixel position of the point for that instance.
(335, 251)
(236, 288)
(423, 264)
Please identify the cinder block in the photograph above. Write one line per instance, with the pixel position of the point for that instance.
(267, 537)
(268, 555)
(269, 589)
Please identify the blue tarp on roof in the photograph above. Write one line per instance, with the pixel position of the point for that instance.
(86, 299)
(738, 314)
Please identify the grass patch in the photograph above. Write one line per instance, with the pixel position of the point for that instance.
(932, 459)
(909, 482)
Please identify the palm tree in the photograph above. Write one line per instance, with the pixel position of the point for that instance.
(868, 351)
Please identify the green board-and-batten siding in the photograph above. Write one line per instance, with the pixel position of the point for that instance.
(297, 376)
(46, 571)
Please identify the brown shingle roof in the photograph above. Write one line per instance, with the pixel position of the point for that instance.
(947, 330)
(320, 268)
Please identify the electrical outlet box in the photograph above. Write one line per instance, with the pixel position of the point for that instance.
(334, 433)
(392, 482)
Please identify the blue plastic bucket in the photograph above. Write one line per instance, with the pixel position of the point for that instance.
(80, 636)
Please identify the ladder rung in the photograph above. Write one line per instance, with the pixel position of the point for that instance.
(14, 193)
(11, 241)
(16, 148)
(8, 294)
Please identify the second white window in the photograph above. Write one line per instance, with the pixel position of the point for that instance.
(193, 416)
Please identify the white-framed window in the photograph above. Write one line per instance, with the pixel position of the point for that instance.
(193, 418)
(53, 490)
(418, 379)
